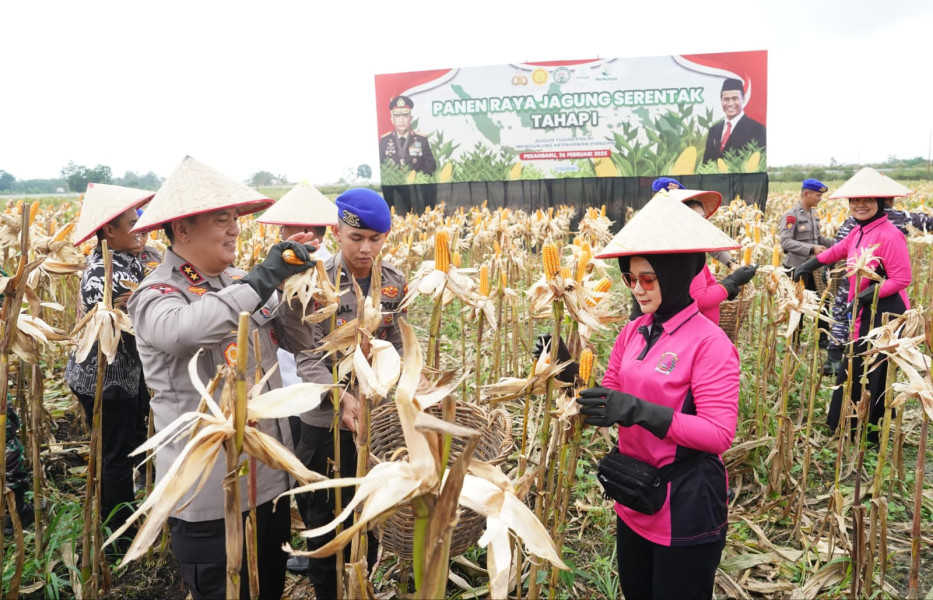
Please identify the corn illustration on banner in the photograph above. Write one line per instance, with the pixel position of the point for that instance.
(612, 117)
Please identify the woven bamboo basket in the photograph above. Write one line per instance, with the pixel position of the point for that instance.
(831, 279)
(495, 444)
(732, 313)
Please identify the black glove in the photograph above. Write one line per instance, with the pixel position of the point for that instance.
(270, 273)
(865, 297)
(735, 280)
(569, 374)
(806, 268)
(604, 407)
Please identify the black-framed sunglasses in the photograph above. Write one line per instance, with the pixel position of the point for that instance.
(645, 279)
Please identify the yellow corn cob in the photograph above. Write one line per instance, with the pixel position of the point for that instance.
(776, 256)
(722, 166)
(496, 247)
(747, 256)
(582, 264)
(577, 241)
(63, 234)
(262, 230)
(751, 165)
(447, 172)
(601, 287)
(19, 207)
(257, 247)
(455, 259)
(602, 211)
(585, 247)
(757, 234)
(33, 210)
(551, 258)
(515, 172)
(604, 167)
(566, 273)
(504, 279)
(550, 213)
(587, 358)
(484, 280)
(441, 251)
(686, 163)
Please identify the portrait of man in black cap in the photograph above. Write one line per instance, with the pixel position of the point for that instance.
(403, 146)
(737, 129)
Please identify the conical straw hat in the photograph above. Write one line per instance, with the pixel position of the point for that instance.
(869, 183)
(303, 206)
(194, 188)
(104, 203)
(666, 226)
(710, 200)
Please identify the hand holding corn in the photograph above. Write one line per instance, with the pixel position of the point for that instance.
(284, 260)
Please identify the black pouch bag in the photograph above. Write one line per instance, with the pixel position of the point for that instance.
(636, 484)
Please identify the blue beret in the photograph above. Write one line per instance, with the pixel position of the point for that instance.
(664, 183)
(814, 184)
(363, 208)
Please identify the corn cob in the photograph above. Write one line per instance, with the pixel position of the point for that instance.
(747, 256)
(686, 163)
(60, 237)
(587, 358)
(776, 256)
(751, 165)
(455, 259)
(601, 288)
(288, 256)
(551, 259)
(504, 279)
(496, 247)
(582, 265)
(441, 251)
(585, 247)
(484, 280)
(566, 273)
(33, 210)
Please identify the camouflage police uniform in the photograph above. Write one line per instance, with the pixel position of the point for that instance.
(177, 311)
(316, 444)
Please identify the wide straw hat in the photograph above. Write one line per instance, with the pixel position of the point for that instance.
(104, 203)
(869, 183)
(666, 226)
(193, 189)
(710, 200)
(302, 206)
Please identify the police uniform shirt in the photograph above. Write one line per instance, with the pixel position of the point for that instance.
(304, 338)
(150, 258)
(176, 311)
(800, 231)
(413, 151)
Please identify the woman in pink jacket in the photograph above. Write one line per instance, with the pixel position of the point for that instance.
(891, 263)
(672, 387)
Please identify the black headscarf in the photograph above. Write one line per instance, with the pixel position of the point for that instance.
(878, 215)
(675, 274)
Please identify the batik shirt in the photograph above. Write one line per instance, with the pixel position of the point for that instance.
(122, 376)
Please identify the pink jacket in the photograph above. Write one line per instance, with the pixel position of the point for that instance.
(708, 293)
(693, 368)
(894, 259)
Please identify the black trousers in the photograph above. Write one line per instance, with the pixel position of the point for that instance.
(876, 385)
(316, 450)
(199, 547)
(649, 570)
(118, 438)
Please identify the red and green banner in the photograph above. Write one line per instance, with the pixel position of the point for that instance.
(615, 117)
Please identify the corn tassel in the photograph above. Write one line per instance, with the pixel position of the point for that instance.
(551, 258)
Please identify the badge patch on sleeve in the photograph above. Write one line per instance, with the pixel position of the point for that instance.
(265, 311)
(164, 289)
(790, 220)
(230, 354)
(388, 319)
(666, 363)
(390, 291)
(194, 289)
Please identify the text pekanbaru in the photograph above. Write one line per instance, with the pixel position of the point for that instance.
(576, 100)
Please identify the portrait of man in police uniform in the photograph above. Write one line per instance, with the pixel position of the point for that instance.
(403, 146)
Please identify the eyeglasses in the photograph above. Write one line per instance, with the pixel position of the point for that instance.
(645, 279)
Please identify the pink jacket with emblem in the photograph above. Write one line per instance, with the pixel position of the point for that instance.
(694, 369)
(891, 248)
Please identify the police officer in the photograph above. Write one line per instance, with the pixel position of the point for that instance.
(364, 222)
(403, 146)
(800, 229)
(192, 302)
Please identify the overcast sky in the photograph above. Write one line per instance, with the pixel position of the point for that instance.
(288, 86)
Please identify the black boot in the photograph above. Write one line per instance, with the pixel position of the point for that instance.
(833, 364)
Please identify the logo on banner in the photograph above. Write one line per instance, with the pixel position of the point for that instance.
(561, 75)
(519, 80)
(539, 76)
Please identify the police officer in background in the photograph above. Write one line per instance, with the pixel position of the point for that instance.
(403, 146)
(669, 183)
(800, 229)
(364, 222)
(192, 302)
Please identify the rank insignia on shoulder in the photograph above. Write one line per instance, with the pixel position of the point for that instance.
(164, 289)
(190, 273)
(195, 289)
(390, 291)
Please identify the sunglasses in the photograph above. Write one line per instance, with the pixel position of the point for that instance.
(645, 279)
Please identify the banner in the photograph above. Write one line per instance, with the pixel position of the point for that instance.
(617, 117)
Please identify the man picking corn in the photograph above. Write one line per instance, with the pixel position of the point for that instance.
(364, 222)
(191, 302)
